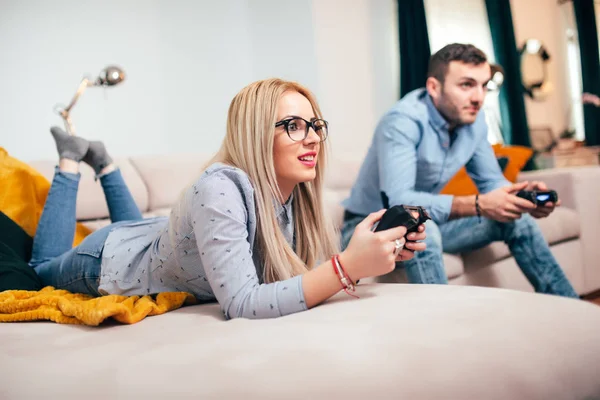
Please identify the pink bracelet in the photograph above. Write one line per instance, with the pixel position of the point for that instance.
(345, 280)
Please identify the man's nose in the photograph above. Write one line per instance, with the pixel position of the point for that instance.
(478, 95)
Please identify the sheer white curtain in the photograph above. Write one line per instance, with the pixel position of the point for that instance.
(465, 21)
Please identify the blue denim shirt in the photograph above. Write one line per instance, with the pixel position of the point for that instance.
(413, 156)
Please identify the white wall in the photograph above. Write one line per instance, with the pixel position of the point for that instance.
(357, 54)
(184, 62)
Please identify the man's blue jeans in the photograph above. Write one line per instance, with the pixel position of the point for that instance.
(53, 258)
(523, 237)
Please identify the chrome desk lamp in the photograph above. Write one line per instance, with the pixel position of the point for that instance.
(109, 76)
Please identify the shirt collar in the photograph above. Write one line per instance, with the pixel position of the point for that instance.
(284, 211)
(436, 118)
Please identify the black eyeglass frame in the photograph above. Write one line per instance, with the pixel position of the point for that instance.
(309, 124)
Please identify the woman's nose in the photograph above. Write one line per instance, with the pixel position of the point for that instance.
(312, 137)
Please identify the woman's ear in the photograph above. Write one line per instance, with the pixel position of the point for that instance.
(434, 87)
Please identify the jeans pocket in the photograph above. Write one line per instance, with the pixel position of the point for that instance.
(93, 245)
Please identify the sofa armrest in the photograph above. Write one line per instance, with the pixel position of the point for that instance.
(560, 180)
(579, 189)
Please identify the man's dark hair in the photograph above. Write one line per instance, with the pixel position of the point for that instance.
(466, 53)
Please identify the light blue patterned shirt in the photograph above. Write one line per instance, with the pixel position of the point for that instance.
(413, 156)
(207, 247)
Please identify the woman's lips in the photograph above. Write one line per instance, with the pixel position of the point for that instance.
(308, 159)
(309, 163)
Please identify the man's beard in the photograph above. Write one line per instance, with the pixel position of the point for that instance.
(450, 113)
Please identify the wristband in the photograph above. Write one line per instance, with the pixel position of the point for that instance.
(477, 208)
(347, 284)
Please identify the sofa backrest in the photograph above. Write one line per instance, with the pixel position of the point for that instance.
(91, 204)
(156, 183)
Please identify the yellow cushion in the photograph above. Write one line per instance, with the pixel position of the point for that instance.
(461, 184)
(23, 194)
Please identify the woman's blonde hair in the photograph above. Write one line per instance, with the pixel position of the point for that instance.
(248, 145)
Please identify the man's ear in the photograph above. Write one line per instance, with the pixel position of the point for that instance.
(434, 87)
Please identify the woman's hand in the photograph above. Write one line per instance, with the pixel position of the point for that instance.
(413, 244)
(373, 253)
(368, 254)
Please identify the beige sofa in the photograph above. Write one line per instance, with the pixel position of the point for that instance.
(572, 231)
(396, 341)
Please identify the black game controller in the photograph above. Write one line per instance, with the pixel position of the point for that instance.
(538, 197)
(403, 216)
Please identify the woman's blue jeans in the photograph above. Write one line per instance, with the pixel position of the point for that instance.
(76, 269)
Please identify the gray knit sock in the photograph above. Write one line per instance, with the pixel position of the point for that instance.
(71, 147)
(97, 157)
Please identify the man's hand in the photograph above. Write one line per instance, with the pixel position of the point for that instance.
(502, 205)
(542, 210)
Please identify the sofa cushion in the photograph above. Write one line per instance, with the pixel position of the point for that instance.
(91, 203)
(395, 342)
(332, 200)
(96, 223)
(453, 266)
(100, 223)
(341, 173)
(506, 273)
(562, 225)
(161, 212)
(166, 176)
(511, 159)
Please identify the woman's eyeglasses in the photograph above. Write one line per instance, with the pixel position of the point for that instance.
(297, 128)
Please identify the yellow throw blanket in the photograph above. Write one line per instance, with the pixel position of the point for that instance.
(23, 195)
(64, 307)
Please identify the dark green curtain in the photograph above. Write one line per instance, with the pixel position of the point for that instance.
(414, 45)
(512, 104)
(585, 15)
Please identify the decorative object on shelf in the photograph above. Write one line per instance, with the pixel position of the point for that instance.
(542, 138)
(568, 157)
(534, 69)
(497, 79)
(109, 76)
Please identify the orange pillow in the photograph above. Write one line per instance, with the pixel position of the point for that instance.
(23, 194)
(461, 184)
